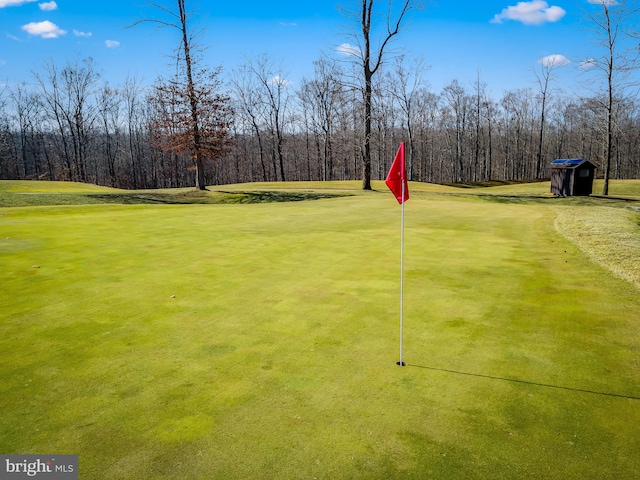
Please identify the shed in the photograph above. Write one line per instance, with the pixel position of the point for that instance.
(572, 176)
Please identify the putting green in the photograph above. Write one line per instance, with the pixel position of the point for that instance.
(260, 341)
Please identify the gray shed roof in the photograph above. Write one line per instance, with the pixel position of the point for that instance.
(569, 162)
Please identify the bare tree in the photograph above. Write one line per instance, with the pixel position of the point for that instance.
(518, 118)
(324, 98)
(404, 83)
(458, 102)
(480, 105)
(194, 117)
(385, 113)
(272, 90)
(109, 116)
(616, 56)
(131, 93)
(66, 94)
(26, 107)
(8, 168)
(544, 76)
(370, 55)
(251, 111)
(427, 117)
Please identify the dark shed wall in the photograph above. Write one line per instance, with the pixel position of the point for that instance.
(561, 182)
(583, 180)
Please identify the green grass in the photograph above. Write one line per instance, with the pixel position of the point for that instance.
(259, 340)
(28, 193)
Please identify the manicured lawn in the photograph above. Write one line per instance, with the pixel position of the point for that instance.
(260, 340)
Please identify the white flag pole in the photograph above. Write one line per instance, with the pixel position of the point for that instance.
(401, 363)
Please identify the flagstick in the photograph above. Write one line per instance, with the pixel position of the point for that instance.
(401, 363)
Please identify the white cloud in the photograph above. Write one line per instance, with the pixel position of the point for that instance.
(554, 60)
(278, 80)
(531, 13)
(48, 6)
(604, 2)
(288, 24)
(44, 29)
(112, 43)
(78, 33)
(14, 3)
(588, 63)
(349, 50)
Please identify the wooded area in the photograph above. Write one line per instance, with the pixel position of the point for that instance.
(67, 125)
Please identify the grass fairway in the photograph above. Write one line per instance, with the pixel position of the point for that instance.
(233, 341)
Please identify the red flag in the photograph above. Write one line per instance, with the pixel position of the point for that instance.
(397, 176)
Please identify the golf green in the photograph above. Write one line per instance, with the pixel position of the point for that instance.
(261, 341)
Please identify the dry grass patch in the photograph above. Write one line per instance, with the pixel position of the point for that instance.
(610, 236)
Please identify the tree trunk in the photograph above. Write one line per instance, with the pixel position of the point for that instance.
(193, 101)
(200, 182)
(366, 157)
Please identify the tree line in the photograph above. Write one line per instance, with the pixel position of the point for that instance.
(69, 125)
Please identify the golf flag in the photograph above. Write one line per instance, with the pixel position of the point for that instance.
(397, 183)
(397, 177)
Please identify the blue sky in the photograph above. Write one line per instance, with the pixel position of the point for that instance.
(501, 39)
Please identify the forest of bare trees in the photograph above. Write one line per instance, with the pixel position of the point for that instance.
(343, 123)
(68, 125)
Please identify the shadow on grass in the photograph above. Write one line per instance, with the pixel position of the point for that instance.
(592, 200)
(216, 197)
(275, 196)
(493, 183)
(537, 384)
(139, 199)
(160, 198)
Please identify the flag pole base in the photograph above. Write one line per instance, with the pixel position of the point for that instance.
(402, 364)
